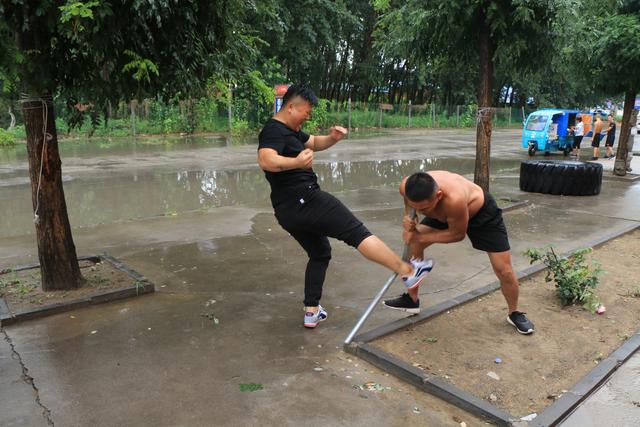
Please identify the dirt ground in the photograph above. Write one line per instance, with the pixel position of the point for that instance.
(22, 289)
(463, 344)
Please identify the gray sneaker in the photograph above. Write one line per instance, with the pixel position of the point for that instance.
(312, 319)
(421, 268)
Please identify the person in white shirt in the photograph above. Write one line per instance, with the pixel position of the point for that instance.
(578, 134)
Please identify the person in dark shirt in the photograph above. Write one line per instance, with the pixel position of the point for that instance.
(611, 137)
(310, 215)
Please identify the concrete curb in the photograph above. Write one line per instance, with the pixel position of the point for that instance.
(432, 385)
(629, 177)
(516, 204)
(551, 416)
(142, 286)
(32, 266)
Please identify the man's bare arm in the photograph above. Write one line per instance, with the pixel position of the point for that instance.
(269, 160)
(322, 142)
(458, 219)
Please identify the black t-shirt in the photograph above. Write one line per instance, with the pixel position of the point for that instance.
(288, 143)
(611, 136)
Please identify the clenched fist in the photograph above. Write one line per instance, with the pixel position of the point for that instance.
(305, 159)
(408, 223)
(337, 133)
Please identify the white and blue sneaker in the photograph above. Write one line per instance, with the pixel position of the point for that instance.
(312, 319)
(421, 268)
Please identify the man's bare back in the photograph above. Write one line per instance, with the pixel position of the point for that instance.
(457, 190)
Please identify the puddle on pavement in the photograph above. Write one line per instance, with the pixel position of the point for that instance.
(96, 147)
(133, 195)
(122, 146)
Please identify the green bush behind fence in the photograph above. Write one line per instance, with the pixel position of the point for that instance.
(212, 115)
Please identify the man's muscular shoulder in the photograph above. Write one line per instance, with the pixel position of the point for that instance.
(454, 202)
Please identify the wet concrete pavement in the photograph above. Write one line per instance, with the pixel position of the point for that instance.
(616, 403)
(195, 219)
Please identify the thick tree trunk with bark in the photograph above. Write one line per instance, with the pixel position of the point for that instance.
(56, 251)
(620, 167)
(483, 121)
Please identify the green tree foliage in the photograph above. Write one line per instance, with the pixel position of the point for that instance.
(112, 50)
(611, 57)
(548, 52)
(444, 36)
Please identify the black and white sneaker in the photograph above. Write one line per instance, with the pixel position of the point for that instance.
(520, 322)
(403, 303)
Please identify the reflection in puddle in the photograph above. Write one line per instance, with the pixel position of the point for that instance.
(134, 195)
(97, 147)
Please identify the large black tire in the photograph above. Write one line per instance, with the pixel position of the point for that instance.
(561, 177)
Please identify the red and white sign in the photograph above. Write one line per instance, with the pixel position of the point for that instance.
(281, 90)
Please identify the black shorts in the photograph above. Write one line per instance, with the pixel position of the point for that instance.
(609, 142)
(313, 213)
(595, 142)
(486, 229)
(577, 140)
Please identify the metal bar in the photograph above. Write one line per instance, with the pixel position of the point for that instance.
(376, 300)
(229, 109)
(349, 115)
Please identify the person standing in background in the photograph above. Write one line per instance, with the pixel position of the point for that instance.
(597, 137)
(611, 137)
(578, 134)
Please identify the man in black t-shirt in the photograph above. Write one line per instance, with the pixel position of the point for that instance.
(611, 137)
(310, 215)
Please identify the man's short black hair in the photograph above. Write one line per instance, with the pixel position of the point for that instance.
(301, 90)
(420, 186)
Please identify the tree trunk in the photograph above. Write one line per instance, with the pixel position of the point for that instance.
(56, 251)
(339, 88)
(132, 105)
(13, 119)
(620, 167)
(483, 118)
(107, 113)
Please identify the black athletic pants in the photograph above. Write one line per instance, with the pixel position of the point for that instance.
(311, 215)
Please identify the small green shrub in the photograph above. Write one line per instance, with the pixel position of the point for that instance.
(575, 281)
(7, 138)
(319, 118)
(239, 127)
